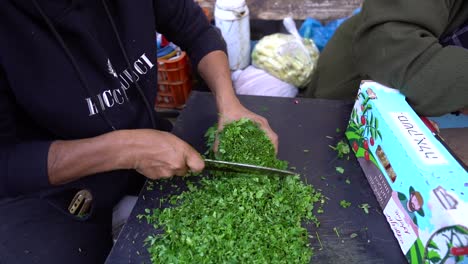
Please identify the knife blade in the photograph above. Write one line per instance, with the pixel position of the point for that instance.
(226, 166)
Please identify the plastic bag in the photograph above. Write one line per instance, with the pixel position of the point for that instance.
(254, 81)
(321, 34)
(282, 56)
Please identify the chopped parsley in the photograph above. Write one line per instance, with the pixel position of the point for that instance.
(237, 218)
(345, 204)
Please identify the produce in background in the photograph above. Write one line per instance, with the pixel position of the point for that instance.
(237, 218)
(282, 56)
(255, 81)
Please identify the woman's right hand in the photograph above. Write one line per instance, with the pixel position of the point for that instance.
(153, 153)
(156, 154)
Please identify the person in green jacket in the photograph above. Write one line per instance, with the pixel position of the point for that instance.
(417, 46)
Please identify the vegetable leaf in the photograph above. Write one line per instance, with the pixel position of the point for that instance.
(365, 207)
(340, 170)
(345, 204)
(342, 148)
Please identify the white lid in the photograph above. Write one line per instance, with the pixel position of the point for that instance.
(230, 5)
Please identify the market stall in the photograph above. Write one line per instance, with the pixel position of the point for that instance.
(353, 227)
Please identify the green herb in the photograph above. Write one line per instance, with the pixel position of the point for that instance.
(336, 231)
(243, 141)
(338, 130)
(342, 149)
(318, 238)
(345, 204)
(365, 207)
(340, 170)
(323, 178)
(348, 181)
(353, 235)
(150, 186)
(238, 218)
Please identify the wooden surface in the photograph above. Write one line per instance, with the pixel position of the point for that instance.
(323, 10)
(457, 140)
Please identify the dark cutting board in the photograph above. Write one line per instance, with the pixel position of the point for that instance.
(306, 128)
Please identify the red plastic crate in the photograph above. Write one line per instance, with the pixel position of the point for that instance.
(173, 95)
(174, 70)
(174, 82)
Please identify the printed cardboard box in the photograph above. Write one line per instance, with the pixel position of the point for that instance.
(421, 187)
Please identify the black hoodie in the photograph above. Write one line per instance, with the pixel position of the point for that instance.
(47, 95)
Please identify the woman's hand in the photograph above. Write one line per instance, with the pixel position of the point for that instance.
(238, 111)
(214, 68)
(156, 154)
(153, 153)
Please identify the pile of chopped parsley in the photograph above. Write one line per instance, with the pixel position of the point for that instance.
(237, 218)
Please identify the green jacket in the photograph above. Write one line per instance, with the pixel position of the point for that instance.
(396, 43)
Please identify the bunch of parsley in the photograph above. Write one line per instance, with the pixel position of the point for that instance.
(237, 218)
(244, 142)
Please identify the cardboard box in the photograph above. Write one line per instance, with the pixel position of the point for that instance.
(421, 187)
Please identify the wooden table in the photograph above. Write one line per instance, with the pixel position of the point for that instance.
(457, 140)
(302, 124)
(323, 10)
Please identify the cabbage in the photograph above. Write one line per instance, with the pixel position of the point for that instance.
(282, 56)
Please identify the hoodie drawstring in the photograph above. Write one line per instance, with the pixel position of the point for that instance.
(80, 74)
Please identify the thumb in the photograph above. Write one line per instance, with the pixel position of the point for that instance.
(216, 144)
(194, 160)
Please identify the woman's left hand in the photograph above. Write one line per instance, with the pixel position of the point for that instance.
(237, 112)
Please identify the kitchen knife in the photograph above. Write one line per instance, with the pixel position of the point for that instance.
(226, 166)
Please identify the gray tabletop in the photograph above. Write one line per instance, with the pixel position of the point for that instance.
(302, 124)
